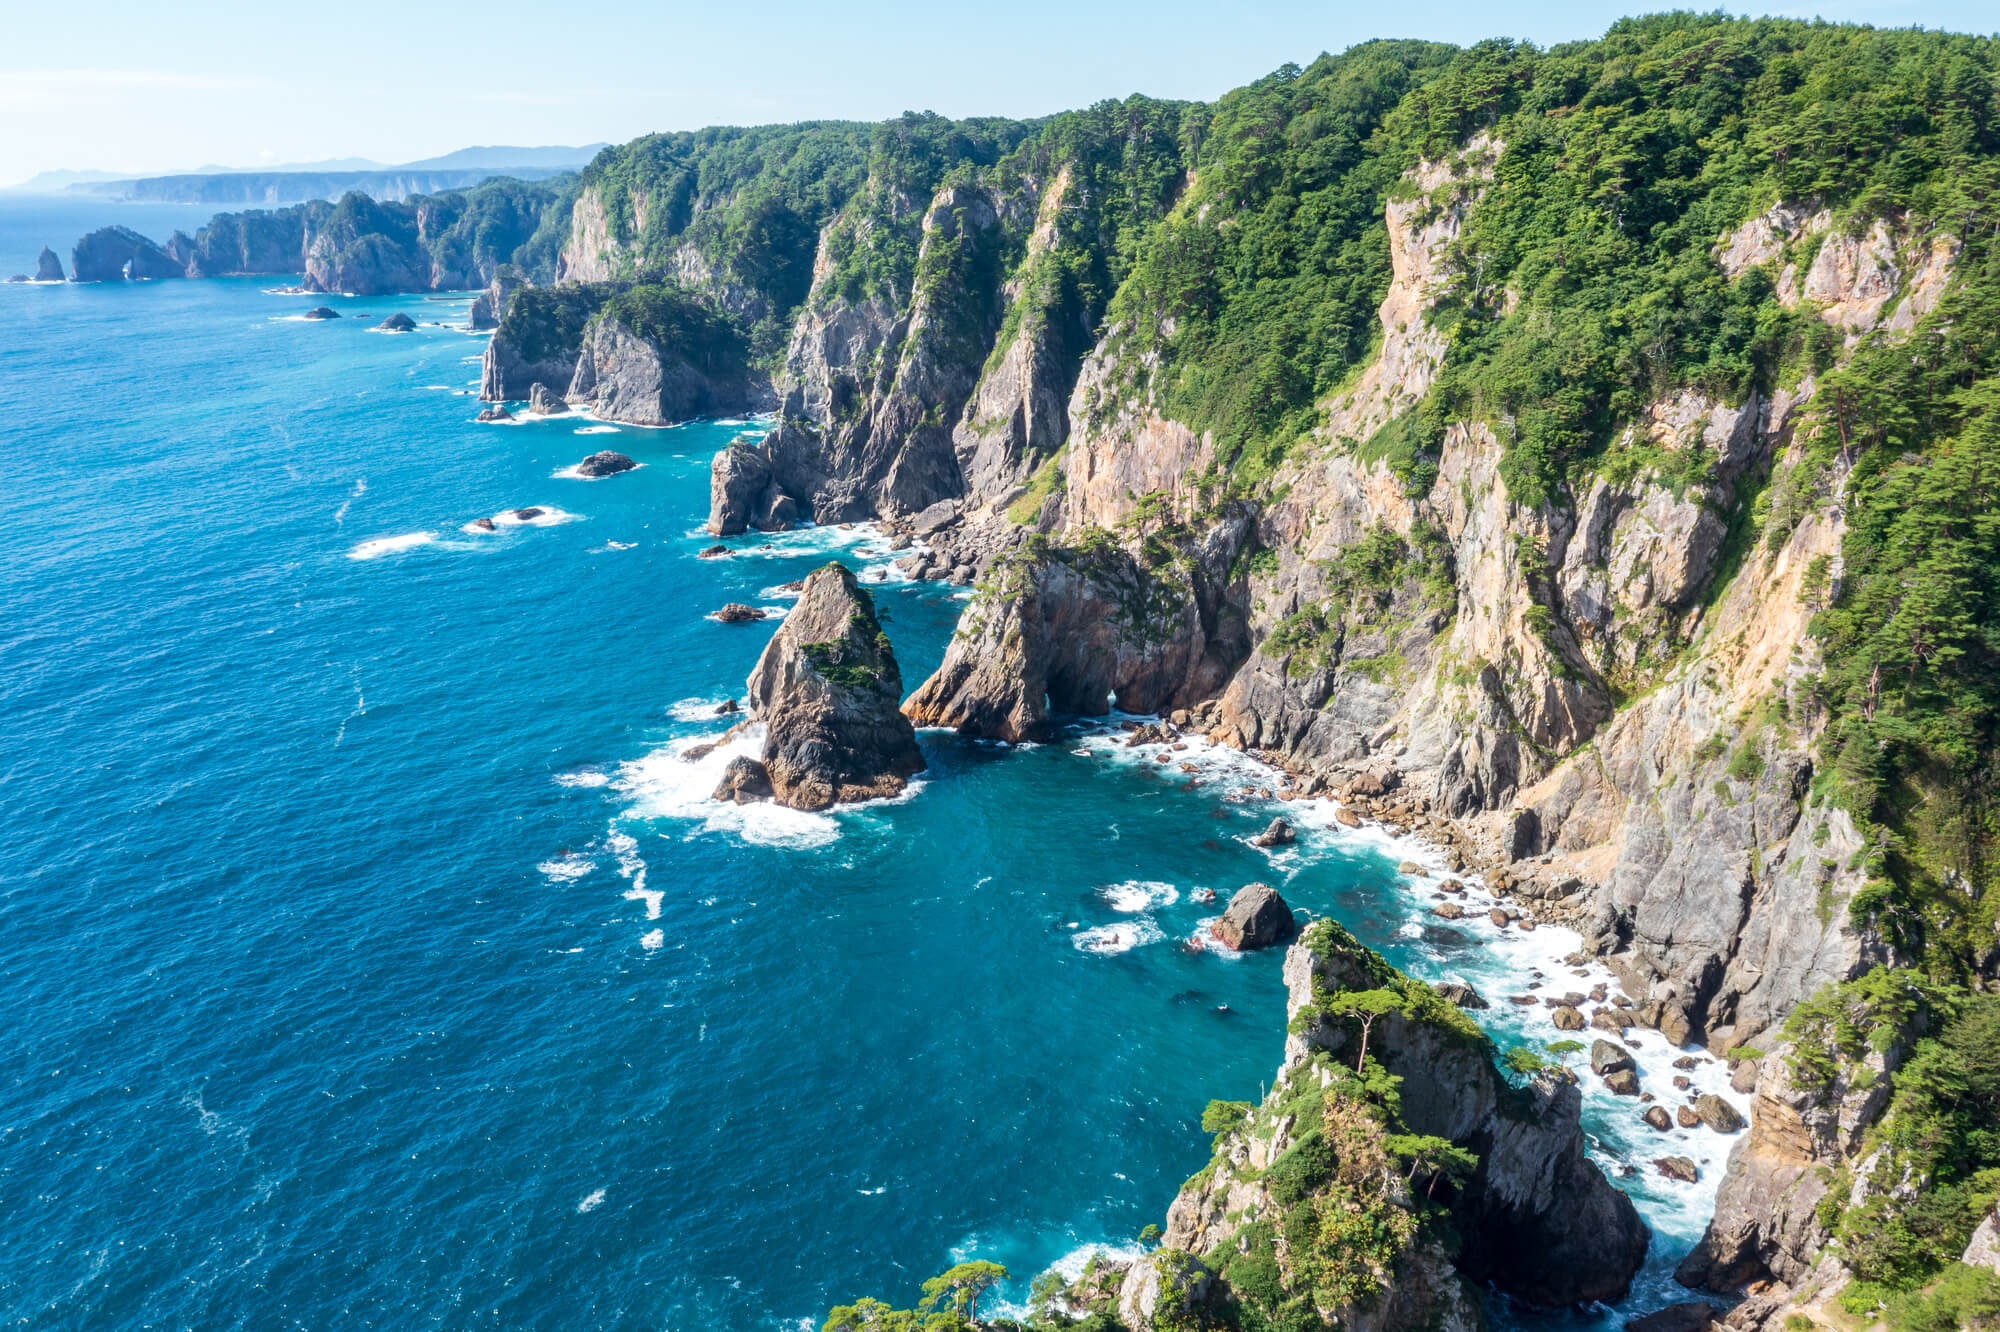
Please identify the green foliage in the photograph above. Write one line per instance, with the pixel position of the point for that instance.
(547, 323)
(683, 325)
(1963, 1297)
(1224, 1116)
(1269, 271)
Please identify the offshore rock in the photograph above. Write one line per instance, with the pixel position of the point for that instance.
(321, 312)
(1462, 995)
(397, 323)
(541, 402)
(826, 690)
(48, 267)
(1257, 918)
(113, 254)
(495, 413)
(605, 463)
(738, 613)
(739, 487)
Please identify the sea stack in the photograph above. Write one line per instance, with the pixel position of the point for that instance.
(541, 402)
(48, 268)
(826, 691)
(398, 323)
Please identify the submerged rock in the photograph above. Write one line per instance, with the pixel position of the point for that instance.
(321, 312)
(713, 553)
(527, 515)
(1257, 917)
(484, 524)
(826, 690)
(605, 463)
(541, 402)
(48, 268)
(496, 413)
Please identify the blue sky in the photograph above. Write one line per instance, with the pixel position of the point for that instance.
(238, 83)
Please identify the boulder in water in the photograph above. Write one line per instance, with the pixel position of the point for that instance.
(1257, 917)
(727, 708)
(1625, 1082)
(1566, 1018)
(1278, 833)
(1658, 1118)
(541, 402)
(496, 413)
(745, 781)
(1679, 1168)
(738, 613)
(1718, 1114)
(484, 524)
(713, 553)
(528, 515)
(606, 463)
(1607, 1058)
(398, 323)
(321, 312)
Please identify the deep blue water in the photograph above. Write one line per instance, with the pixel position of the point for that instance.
(372, 959)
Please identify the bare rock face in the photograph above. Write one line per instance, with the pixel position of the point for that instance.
(490, 304)
(624, 377)
(48, 268)
(541, 402)
(1538, 1218)
(1257, 918)
(1718, 1114)
(1692, 1316)
(826, 690)
(1055, 631)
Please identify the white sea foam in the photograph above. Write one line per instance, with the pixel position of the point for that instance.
(585, 777)
(1137, 895)
(1121, 937)
(360, 489)
(376, 548)
(665, 785)
(613, 545)
(597, 430)
(652, 897)
(591, 1202)
(653, 940)
(564, 868)
(550, 516)
(1498, 961)
(695, 709)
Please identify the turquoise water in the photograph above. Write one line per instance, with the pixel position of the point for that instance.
(371, 956)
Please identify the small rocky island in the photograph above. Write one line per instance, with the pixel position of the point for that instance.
(398, 323)
(606, 463)
(320, 312)
(48, 268)
(826, 691)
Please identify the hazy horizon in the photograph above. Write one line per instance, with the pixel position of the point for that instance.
(189, 101)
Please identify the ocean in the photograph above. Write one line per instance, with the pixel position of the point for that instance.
(373, 958)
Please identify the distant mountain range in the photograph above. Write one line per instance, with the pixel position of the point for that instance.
(300, 182)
